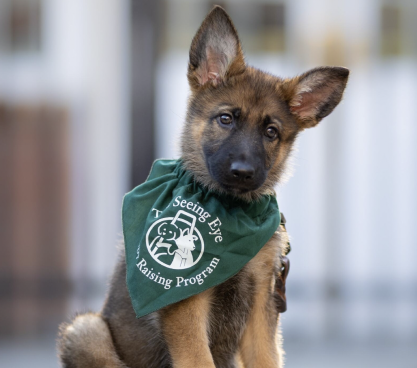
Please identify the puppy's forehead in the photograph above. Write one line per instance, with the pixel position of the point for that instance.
(255, 93)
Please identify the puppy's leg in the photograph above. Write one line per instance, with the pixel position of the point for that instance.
(185, 327)
(260, 342)
(87, 343)
(259, 345)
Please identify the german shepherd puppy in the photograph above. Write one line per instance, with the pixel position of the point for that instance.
(240, 128)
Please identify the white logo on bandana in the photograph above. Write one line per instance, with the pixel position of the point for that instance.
(175, 242)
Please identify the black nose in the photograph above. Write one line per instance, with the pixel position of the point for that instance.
(242, 170)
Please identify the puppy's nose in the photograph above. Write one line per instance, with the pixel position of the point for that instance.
(242, 170)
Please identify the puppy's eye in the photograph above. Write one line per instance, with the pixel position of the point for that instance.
(225, 119)
(271, 132)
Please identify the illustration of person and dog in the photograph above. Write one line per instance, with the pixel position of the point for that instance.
(170, 235)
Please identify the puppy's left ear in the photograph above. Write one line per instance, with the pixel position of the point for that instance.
(215, 53)
(314, 94)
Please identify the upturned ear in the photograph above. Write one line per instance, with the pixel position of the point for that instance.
(215, 53)
(314, 94)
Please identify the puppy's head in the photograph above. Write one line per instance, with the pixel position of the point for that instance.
(241, 122)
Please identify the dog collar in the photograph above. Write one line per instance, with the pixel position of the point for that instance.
(181, 239)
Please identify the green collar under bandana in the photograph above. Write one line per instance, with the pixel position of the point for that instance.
(182, 239)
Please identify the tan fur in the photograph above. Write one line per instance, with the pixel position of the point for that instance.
(188, 342)
(234, 324)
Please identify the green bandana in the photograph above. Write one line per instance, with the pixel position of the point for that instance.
(182, 239)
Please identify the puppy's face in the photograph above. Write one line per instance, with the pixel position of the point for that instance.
(242, 122)
(241, 133)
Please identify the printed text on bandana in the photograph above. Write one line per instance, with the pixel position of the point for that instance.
(176, 243)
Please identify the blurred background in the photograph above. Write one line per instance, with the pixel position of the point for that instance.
(91, 92)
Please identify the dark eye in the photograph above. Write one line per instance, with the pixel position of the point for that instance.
(225, 119)
(271, 132)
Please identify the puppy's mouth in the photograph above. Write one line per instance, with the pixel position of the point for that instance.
(236, 189)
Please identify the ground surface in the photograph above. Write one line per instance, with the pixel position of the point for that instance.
(40, 353)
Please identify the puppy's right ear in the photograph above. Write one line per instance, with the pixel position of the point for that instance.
(215, 53)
